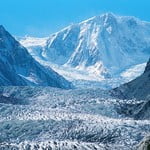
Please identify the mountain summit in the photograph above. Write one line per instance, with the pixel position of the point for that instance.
(107, 44)
(18, 68)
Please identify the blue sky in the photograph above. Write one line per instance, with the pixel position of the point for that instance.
(43, 17)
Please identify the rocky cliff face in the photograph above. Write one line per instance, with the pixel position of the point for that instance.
(147, 69)
(18, 68)
(138, 88)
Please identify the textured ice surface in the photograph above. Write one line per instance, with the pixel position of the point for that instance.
(81, 119)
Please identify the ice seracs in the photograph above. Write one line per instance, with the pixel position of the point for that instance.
(79, 119)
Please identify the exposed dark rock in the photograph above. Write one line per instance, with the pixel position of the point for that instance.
(138, 88)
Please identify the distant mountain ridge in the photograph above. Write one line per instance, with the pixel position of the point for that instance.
(18, 68)
(105, 45)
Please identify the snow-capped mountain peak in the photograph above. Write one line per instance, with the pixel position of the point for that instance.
(117, 43)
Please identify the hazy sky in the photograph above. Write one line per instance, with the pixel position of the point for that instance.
(43, 17)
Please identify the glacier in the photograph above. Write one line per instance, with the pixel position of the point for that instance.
(67, 119)
(97, 54)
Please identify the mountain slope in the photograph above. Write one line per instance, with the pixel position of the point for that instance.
(144, 144)
(19, 68)
(138, 88)
(104, 45)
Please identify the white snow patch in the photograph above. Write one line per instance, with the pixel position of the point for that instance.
(109, 29)
(33, 41)
(133, 72)
(30, 78)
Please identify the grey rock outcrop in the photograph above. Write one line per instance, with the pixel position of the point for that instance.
(138, 88)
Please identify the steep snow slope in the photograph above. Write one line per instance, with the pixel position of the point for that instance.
(101, 47)
(33, 44)
(19, 68)
(105, 42)
(67, 120)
